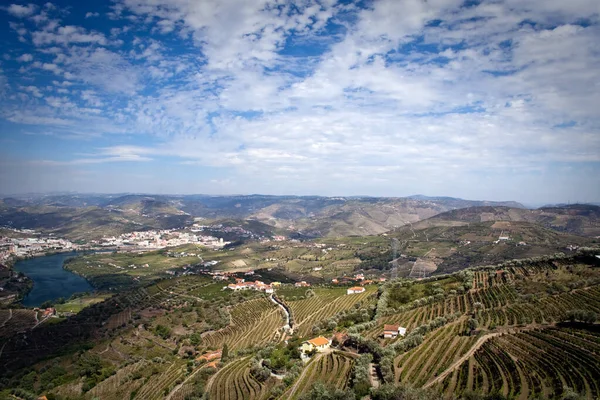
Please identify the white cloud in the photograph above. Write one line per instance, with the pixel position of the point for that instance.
(92, 14)
(21, 11)
(25, 58)
(67, 34)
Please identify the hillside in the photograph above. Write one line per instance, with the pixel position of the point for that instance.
(578, 219)
(474, 236)
(522, 329)
(87, 223)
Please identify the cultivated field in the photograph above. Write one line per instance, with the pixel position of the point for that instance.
(324, 304)
(330, 368)
(234, 382)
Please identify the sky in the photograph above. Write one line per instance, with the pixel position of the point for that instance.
(495, 100)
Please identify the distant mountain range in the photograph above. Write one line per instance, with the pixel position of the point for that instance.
(82, 216)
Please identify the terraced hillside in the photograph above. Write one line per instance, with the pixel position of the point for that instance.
(332, 369)
(521, 329)
(324, 304)
(540, 362)
(510, 337)
(234, 382)
(253, 323)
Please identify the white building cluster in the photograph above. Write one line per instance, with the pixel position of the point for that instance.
(157, 239)
(256, 285)
(22, 247)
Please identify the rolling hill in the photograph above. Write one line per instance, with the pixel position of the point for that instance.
(307, 216)
(578, 219)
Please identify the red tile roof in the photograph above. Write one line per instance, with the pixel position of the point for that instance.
(319, 341)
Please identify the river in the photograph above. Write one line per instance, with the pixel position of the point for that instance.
(50, 279)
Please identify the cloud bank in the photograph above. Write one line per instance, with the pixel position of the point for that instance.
(485, 99)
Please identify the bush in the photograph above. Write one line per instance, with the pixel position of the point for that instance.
(588, 317)
(162, 331)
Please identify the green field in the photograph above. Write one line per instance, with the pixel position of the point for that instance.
(79, 303)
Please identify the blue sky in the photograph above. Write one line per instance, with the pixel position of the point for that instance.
(490, 100)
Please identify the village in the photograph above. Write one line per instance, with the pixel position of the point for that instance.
(158, 239)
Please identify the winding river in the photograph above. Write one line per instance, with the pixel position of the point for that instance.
(50, 279)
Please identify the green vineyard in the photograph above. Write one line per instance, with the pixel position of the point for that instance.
(252, 323)
(234, 382)
(540, 363)
(434, 355)
(323, 305)
(330, 369)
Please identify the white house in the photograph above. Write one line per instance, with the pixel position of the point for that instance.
(391, 331)
(355, 290)
(319, 343)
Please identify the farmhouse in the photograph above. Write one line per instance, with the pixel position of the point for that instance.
(319, 344)
(356, 289)
(391, 331)
(302, 284)
(49, 312)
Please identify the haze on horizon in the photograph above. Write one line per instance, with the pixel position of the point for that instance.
(494, 100)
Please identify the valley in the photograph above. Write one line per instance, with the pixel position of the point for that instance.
(475, 292)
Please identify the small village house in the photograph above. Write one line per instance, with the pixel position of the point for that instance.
(319, 344)
(355, 290)
(392, 331)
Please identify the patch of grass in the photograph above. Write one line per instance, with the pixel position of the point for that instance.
(78, 304)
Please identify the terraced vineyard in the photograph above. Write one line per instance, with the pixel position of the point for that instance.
(323, 305)
(493, 297)
(14, 321)
(120, 385)
(235, 382)
(439, 350)
(253, 322)
(157, 386)
(542, 310)
(331, 369)
(539, 362)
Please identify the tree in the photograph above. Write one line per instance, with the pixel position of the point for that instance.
(473, 324)
(225, 352)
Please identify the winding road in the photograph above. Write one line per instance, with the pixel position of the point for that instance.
(285, 310)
